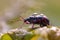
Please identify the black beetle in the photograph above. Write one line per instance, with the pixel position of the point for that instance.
(42, 21)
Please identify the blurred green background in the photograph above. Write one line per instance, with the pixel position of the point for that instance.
(25, 8)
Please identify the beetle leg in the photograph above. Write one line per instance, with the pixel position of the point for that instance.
(32, 25)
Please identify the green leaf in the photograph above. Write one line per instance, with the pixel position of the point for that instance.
(28, 37)
(6, 37)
